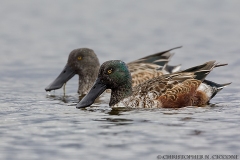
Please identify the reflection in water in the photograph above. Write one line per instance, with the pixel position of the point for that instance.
(70, 98)
(196, 132)
(186, 119)
(62, 98)
(118, 111)
(115, 121)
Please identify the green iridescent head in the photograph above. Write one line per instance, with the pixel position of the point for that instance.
(112, 75)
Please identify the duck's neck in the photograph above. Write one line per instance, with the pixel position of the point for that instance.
(86, 81)
(120, 93)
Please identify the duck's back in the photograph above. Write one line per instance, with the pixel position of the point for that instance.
(163, 91)
(174, 90)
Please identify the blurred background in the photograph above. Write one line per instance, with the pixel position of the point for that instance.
(37, 36)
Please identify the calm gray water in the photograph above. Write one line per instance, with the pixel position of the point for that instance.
(36, 38)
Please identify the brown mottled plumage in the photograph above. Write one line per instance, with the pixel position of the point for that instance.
(168, 91)
(144, 72)
(151, 66)
(185, 88)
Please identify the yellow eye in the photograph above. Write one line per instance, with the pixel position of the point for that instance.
(109, 71)
(79, 58)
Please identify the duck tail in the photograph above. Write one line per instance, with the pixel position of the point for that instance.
(201, 71)
(215, 87)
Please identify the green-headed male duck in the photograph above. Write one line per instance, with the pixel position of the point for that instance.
(185, 88)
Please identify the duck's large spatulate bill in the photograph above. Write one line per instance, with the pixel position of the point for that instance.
(97, 89)
(66, 74)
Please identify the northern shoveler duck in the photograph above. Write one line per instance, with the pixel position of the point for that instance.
(85, 64)
(185, 88)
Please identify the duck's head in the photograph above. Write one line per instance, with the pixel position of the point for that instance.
(82, 61)
(112, 75)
